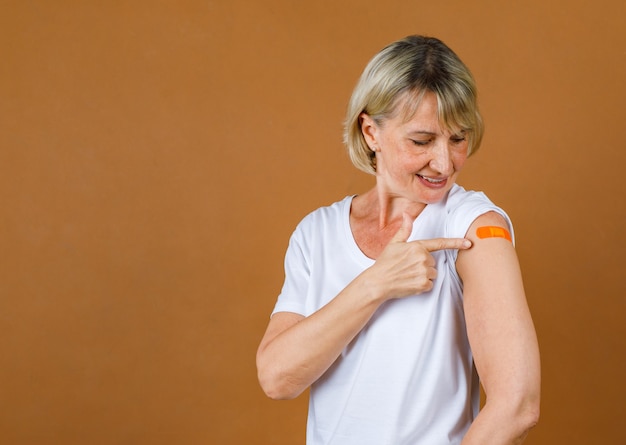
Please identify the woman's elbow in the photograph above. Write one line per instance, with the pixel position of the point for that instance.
(277, 390)
(526, 414)
(529, 415)
(529, 404)
(519, 410)
(275, 384)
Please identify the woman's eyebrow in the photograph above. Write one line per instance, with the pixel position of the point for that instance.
(426, 132)
(460, 132)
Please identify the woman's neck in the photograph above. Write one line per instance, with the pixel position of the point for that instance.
(385, 208)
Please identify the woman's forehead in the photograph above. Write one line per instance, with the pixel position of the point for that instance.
(424, 109)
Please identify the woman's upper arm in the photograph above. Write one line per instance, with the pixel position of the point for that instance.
(499, 324)
(280, 322)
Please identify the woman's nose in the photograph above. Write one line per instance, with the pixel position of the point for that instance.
(441, 161)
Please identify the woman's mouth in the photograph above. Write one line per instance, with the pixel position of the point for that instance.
(433, 182)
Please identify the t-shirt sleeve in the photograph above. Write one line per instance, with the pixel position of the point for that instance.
(465, 212)
(292, 297)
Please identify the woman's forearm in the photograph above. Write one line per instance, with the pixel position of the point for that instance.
(290, 361)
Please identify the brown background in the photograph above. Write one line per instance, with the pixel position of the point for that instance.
(156, 155)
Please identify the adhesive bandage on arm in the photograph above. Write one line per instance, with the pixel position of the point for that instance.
(493, 232)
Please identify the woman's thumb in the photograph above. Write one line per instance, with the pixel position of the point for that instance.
(403, 233)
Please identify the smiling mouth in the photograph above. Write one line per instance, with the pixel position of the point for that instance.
(432, 180)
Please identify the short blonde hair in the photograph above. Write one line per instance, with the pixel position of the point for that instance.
(408, 69)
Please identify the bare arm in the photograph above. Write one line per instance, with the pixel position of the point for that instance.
(502, 338)
(295, 351)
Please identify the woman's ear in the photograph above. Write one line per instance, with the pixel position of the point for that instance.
(368, 128)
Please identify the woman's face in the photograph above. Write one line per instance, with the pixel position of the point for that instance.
(416, 158)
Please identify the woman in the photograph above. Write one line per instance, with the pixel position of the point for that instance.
(396, 300)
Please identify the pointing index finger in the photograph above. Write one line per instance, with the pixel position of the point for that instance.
(446, 243)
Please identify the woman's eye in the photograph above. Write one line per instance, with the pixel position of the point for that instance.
(420, 143)
(459, 137)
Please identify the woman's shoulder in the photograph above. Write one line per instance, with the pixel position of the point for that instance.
(327, 214)
(460, 197)
(464, 206)
(319, 225)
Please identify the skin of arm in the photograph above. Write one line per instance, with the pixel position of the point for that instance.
(502, 338)
(295, 350)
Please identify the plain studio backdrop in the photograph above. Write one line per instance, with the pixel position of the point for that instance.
(155, 157)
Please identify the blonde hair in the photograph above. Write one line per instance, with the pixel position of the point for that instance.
(407, 69)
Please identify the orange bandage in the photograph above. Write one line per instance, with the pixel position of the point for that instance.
(493, 232)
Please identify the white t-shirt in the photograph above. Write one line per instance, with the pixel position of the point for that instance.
(408, 377)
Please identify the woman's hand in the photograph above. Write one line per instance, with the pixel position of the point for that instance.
(408, 268)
